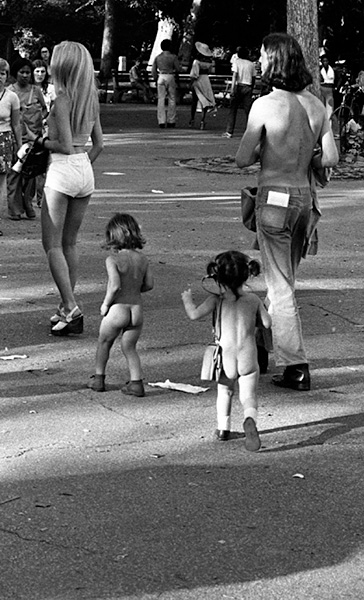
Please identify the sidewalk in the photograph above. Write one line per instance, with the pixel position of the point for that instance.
(107, 497)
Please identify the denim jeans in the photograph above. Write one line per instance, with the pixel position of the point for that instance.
(166, 89)
(282, 233)
(242, 96)
(21, 192)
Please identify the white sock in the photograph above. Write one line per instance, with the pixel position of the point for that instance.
(251, 412)
(223, 423)
(223, 407)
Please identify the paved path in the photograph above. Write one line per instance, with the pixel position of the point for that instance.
(105, 497)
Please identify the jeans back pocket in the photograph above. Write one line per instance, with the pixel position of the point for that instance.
(273, 216)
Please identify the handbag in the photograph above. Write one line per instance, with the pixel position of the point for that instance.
(248, 196)
(212, 359)
(35, 162)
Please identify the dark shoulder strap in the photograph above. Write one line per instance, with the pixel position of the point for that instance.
(217, 319)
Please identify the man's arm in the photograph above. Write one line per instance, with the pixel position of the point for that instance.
(233, 83)
(154, 71)
(329, 157)
(249, 149)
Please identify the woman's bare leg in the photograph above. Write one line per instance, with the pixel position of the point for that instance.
(61, 219)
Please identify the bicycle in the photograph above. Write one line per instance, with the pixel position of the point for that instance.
(343, 114)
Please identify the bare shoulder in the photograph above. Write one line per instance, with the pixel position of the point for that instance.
(263, 103)
(111, 259)
(250, 299)
(62, 102)
(310, 101)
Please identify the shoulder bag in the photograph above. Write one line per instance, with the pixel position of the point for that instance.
(212, 360)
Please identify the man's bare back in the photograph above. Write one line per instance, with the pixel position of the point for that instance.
(283, 129)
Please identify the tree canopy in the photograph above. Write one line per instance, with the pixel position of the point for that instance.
(220, 25)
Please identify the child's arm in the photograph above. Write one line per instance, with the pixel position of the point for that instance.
(197, 312)
(148, 281)
(113, 285)
(263, 315)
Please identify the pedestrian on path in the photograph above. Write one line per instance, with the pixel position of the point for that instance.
(129, 275)
(21, 190)
(241, 94)
(10, 131)
(73, 119)
(40, 75)
(165, 72)
(202, 94)
(327, 77)
(239, 313)
(284, 129)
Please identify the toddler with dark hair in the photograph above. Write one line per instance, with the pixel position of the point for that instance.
(241, 312)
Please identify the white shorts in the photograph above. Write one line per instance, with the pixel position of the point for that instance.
(70, 174)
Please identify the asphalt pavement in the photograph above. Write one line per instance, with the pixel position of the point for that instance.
(107, 497)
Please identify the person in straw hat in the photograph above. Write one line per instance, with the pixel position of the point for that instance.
(202, 94)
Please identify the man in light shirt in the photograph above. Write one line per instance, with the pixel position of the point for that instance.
(165, 72)
(242, 86)
(327, 74)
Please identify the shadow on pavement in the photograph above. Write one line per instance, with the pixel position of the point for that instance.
(177, 526)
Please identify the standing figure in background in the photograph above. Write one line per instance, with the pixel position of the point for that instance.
(10, 131)
(74, 118)
(202, 94)
(45, 56)
(41, 79)
(242, 86)
(21, 190)
(40, 75)
(327, 75)
(165, 72)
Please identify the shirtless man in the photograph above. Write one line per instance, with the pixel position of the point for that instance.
(284, 128)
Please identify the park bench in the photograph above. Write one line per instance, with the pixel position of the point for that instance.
(121, 85)
(220, 84)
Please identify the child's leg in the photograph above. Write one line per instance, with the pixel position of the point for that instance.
(129, 340)
(111, 326)
(225, 390)
(248, 398)
(107, 337)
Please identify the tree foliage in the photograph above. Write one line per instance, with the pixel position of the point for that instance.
(227, 24)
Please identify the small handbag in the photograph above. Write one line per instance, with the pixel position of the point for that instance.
(212, 360)
(248, 196)
(35, 162)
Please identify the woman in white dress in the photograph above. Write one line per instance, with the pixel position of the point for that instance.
(202, 94)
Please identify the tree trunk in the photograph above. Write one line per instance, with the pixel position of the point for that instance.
(107, 49)
(186, 46)
(302, 23)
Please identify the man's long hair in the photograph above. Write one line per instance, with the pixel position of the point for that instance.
(286, 67)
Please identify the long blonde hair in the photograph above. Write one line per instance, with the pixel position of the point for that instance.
(73, 74)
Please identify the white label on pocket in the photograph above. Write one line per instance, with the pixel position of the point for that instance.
(278, 198)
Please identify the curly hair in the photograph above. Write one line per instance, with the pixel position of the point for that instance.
(19, 64)
(231, 269)
(123, 231)
(286, 68)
